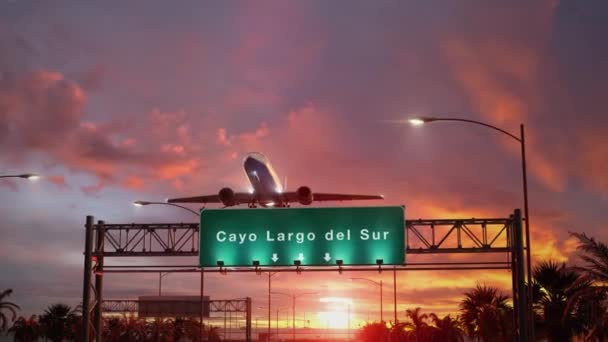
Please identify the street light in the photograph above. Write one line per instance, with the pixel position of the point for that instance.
(277, 320)
(293, 306)
(270, 275)
(418, 121)
(161, 275)
(379, 285)
(142, 203)
(28, 176)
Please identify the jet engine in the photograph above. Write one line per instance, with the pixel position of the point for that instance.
(304, 195)
(227, 197)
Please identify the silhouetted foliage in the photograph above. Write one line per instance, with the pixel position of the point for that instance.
(375, 331)
(25, 329)
(486, 314)
(556, 286)
(59, 322)
(447, 329)
(593, 300)
(7, 306)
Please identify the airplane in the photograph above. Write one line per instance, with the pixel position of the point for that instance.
(266, 190)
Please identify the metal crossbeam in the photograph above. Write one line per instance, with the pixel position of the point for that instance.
(457, 236)
(132, 305)
(424, 236)
(163, 239)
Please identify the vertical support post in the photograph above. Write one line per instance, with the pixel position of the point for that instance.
(395, 294)
(248, 321)
(528, 242)
(277, 327)
(99, 249)
(348, 318)
(521, 308)
(293, 323)
(86, 282)
(202, 327)
(269, 296)
(381, 301)
(225, 309)
(513, 263)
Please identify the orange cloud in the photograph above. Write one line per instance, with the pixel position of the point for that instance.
(133, 182)
(57, 180)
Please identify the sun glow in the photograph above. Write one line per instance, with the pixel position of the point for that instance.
(338, 313)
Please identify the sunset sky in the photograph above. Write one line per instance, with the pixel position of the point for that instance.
(115, 101)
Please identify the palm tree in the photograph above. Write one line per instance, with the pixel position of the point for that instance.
(486, 314)
(375, 331)
(595, 255)
(213, 334)
(134, 329)
(595, 272)
(57, 322)
(448, 329)
(7, 306)
(25, 329)
(557, 286)
(158, 330)
(418, 327)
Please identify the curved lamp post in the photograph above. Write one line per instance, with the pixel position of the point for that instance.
(142, 203)
(379, 284)
(293, 297)
(419, 121)
(28, 176)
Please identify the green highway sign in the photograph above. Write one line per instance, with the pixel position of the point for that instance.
(314, 236)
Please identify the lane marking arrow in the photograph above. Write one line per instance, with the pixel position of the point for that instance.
(274, 258)
(327, 257)
(301, 257)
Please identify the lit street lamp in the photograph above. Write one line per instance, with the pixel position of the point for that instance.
(142, 203)
(379, 284)
(419, 121)
(293, 306)
(28, 176)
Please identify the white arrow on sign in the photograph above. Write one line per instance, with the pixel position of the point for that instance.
(274, 258)
(301, 257)
(327, 257)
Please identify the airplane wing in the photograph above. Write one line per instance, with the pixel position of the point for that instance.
(239, 198)
(196, 199)
(343, 197)
(320, 197)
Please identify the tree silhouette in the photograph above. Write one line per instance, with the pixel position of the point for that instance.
(447, 329)
(594, 299)
(557, 286)
(58, 322)
(372, 332)
(25, 329)
(418, 329)
(7, 306)
(486, 314)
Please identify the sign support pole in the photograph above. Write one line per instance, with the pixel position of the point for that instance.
(86, 283)
(395, 293)
(100, 236)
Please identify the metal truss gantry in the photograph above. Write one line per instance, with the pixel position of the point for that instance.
(215, 305)
(424, 236)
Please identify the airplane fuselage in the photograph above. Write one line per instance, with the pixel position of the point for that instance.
(264, 181)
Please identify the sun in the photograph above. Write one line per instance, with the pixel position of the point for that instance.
(337, 314)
